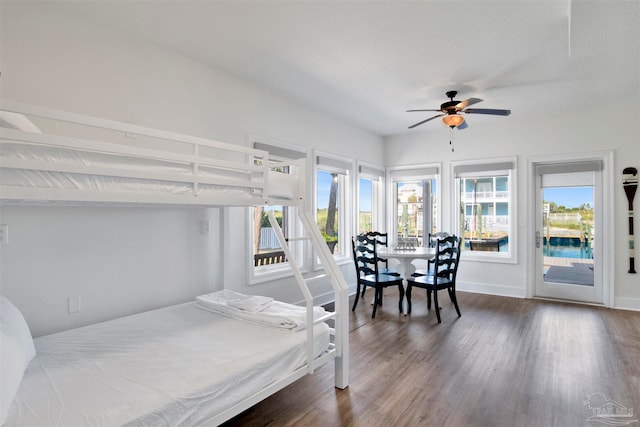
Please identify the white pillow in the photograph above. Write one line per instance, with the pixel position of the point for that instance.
(282, 185)
(17, 352)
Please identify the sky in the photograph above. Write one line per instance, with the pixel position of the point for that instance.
(569, 197)
(324, 187)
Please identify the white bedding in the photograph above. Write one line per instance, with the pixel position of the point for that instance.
(175, 366)
(256, 309)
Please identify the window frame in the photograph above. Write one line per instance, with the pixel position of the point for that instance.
(376, 175)
(413, 173)
(278, 152)
(487, 168)
(344, 168)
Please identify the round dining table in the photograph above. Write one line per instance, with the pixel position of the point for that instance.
(405, 258)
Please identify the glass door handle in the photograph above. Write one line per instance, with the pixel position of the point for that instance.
(537, 239)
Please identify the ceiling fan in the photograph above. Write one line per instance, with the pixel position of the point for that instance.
(450, 109)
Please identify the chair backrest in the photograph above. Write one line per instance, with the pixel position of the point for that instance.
(447, 258)
(382, 239)
(365, 255)
(434, 237)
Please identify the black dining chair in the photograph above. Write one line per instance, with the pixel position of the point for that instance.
(383, 240)
(445, 269)
(433, 239)
(365, 258)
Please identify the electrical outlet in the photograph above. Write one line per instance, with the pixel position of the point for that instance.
(74, 304)
(4, 234)
(204, 226)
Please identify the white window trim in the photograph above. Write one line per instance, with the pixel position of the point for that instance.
(377, 175)
(411, 173)
(334, 163)
(510, 257)
(262, 274)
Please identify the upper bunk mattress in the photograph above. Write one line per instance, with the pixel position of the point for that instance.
(175, 366)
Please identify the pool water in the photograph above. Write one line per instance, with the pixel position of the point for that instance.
(560, 251)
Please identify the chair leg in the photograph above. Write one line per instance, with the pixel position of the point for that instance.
(401, 290)
(435, 302)
(408, 295)
(377, 293)
(355, 302)
(428, 299)
(454, 300)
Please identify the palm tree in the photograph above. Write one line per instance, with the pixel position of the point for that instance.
(330, 228)
(257, 225)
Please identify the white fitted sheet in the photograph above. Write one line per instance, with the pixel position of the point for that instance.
(175, 366)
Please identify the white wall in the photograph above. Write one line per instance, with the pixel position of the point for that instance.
(123, 260)
(604, 125)
(117, 260)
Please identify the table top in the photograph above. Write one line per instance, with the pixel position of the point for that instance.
(418, 252)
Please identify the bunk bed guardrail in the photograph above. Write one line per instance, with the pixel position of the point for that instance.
(50, 155)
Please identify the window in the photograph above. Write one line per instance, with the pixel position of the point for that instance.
(370, 208)
(485, 203)
(267, 254)
(415, 203)
(332, 207)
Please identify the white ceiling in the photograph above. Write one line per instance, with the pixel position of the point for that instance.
(367, 62)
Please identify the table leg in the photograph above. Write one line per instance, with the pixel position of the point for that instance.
(407, 270)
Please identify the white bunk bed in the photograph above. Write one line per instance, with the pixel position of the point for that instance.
(52, 157)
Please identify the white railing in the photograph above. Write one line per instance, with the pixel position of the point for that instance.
(268, 239)
(340, 289)
(470, 196)
(129, 163)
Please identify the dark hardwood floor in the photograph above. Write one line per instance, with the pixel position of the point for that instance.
(505, 362)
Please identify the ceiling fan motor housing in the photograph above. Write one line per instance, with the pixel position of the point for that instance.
(449, 107)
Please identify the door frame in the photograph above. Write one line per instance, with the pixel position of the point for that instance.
(608, 227)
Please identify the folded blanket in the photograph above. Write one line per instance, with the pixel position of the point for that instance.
(252, 304)
(272, 313)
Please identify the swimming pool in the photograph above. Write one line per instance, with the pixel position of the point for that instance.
(567, 251)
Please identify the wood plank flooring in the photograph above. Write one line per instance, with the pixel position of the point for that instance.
(505, 362)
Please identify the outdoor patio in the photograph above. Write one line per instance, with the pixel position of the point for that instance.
(568, 270)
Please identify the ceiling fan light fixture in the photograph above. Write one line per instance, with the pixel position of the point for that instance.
(452, 120)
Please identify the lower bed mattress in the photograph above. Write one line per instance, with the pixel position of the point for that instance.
(176, 366)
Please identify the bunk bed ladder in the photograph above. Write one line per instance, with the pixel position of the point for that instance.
(339, 286)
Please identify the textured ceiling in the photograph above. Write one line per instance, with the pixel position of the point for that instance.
(367, 62)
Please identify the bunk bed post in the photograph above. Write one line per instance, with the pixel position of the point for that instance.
(341, 367)
(340, 289)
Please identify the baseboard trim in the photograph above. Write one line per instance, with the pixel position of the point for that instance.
(483, 288)
(632, 304)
